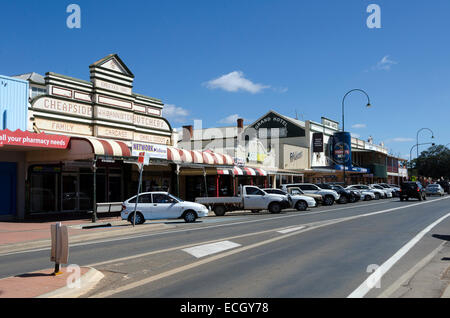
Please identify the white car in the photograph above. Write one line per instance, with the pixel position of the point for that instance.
(161, 205)
(434, 189)
(388, 193)
(329, 196)
(366, 193)
(298, 201)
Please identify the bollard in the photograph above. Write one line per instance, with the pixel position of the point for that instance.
(60, 246)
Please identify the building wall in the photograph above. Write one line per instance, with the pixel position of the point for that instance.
(19, 159)
(13, 103)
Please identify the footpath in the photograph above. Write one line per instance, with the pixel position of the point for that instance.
(19, 236)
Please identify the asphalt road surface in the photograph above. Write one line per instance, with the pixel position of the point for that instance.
(323, 252)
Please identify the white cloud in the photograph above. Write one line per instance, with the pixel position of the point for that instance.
(234, 82)
(174, 113)
(400, 139)
(358, 126)
(232, 119)
(385, 64)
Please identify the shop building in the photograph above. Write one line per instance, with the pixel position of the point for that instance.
(105, 121)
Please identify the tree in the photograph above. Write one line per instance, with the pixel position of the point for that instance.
(434, 162)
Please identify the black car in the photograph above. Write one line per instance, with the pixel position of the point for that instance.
(345, 195)
(412, 189)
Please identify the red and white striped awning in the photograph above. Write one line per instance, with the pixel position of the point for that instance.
(200, 157)
(108, 147)
(243, 171)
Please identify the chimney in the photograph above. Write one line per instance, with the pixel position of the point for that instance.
(188, 133)
(240, 125)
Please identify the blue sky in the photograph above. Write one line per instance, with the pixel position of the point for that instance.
(216, 59)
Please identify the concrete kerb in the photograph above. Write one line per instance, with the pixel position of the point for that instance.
(24, 246)
(446, 293)
(86, 282)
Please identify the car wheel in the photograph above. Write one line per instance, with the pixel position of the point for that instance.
(328, 200)
(401, 199)
(301, 206)
(377, 196)
(367, 198)
(219, 210)
(420, 197)
(189, 216)
(343, 200)
(139, 218)
(255, 211)
(425, 197)
(352, 199)
(275, 208)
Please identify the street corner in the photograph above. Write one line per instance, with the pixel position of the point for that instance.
(74, 281)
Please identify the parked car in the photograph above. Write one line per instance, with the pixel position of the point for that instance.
(434, 189)
(367, 193)
(412, 189)
(161, 205)
(287, 199)
(387, 192)
(249, 198)
(329, 196)
(298, 201)
(345, 195)
(445, 185)
(297, 191)
(395, 188)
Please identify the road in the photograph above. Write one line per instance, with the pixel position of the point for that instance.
(323, 252)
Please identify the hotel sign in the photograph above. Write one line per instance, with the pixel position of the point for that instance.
(63, 107)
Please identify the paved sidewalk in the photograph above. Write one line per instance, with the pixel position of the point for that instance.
(20, 236)
(16, 231)
(44, 284)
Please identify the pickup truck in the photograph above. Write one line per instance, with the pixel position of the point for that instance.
(250, 198)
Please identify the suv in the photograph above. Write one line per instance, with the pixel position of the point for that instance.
(412, 189)
(329, 196)
(345, 195)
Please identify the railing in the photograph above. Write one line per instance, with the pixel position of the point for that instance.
(109, 207)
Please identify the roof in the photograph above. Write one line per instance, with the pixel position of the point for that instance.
(31, 77)
(109, 57)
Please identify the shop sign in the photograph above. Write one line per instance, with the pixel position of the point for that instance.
(151, 138)
(113, 133)
(62, 126)
(112, 87)
(152, 150)
(63, 106)
(113, 114)
(293, 156)
(317, 142)
(150, 122)
(330, 123)
(240, 162)
(28, 139)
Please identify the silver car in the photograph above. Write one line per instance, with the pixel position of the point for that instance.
(434, 189)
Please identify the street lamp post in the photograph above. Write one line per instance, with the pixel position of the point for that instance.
(343, 123)
(417, 138)
(416, 145)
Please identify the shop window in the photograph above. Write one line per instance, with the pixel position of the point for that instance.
(36, 91)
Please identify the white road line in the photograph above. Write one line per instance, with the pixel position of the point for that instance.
(291, 229)
(209, 249)
(376, 276)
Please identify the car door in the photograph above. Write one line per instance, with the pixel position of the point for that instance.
(143, 206)
(308, 188)
(254, 199)
(165, 207)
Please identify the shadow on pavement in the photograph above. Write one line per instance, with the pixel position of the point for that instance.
(442, 237)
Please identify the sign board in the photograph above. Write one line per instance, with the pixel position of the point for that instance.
(152, 150)
(28, 139)
(317, 142)
(342, 151)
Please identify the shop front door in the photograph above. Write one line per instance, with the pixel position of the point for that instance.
(8, 172)
(70, 191)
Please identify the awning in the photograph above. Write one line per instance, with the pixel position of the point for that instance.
(198, 157)
(108, 147)
(243, 171)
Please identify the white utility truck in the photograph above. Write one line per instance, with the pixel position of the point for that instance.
(249, 198)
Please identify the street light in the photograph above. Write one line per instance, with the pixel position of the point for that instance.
(417, 138)
(343, 100)
(416, 145)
